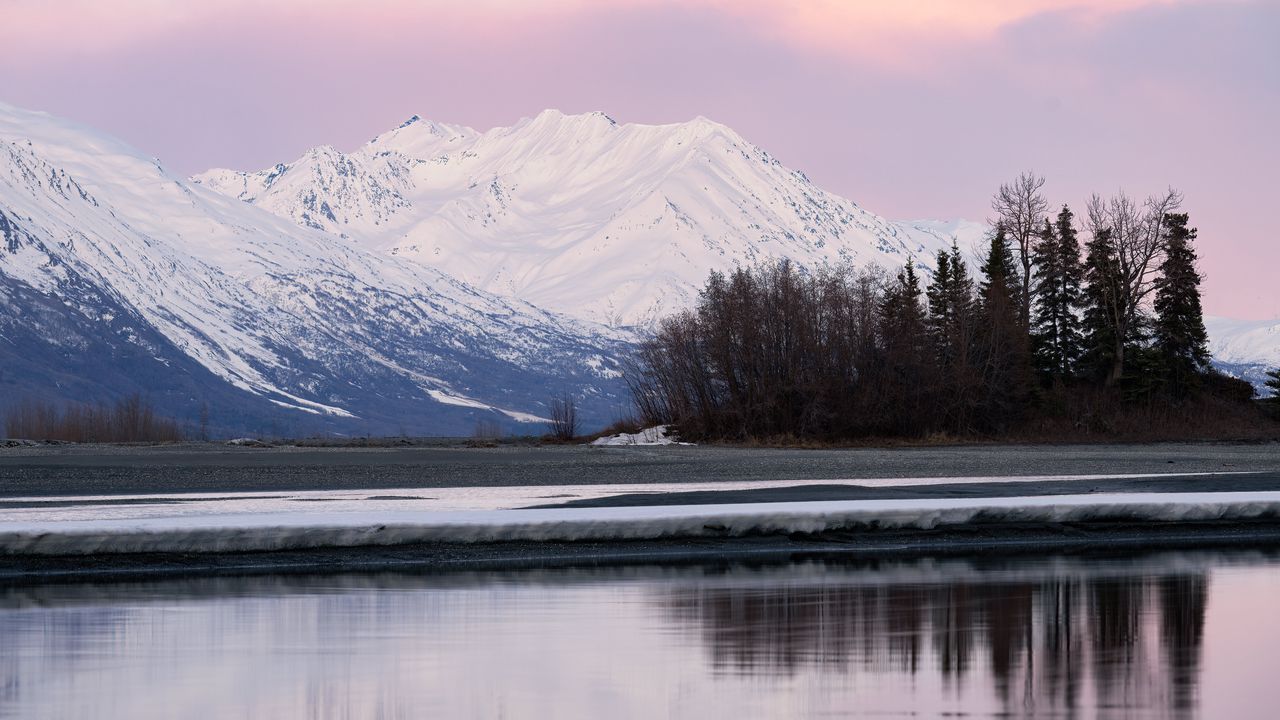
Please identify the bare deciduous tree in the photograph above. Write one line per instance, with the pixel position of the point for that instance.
(564, 417)
(1021, 209)
(487, 429)
(131, 419)
(1136, 233)
(204, 422)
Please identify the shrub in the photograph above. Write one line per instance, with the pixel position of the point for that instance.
(564, 418)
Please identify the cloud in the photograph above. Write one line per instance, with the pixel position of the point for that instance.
(862, 28)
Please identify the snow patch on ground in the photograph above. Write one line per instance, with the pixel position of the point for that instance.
(657, 435)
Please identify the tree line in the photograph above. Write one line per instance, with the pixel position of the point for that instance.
(130, 419)
(1042, 327)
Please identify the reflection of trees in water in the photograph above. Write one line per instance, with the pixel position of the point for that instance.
(1113, 642)
(61, 634)
(1182, 603)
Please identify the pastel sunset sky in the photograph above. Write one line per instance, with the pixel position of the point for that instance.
(912, 108)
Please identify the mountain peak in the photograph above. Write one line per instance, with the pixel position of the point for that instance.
(326, 151)
(609, 221)
(419, 136)
(553, 118)
(203, 297)
(604, 116)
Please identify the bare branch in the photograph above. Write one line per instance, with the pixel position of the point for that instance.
(1020, 208)
(1136, 233)
(564, 417)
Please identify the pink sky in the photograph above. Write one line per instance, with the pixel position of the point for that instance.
(912, 108)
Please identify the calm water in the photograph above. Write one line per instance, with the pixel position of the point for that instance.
(1171, 635)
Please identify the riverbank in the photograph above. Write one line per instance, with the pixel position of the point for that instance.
(155, 536)
(111, 511)
(211, 467)
(1010, 541)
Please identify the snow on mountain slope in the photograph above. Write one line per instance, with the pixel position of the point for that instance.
(620, 223)
(1244, 341)
(296, 317)
(1245, 348)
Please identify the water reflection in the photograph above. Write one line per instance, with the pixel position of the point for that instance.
(1138, 637)
(1065, 637)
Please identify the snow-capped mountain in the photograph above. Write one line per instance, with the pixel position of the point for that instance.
(1245, 348)
(577, 213)
(107, 259)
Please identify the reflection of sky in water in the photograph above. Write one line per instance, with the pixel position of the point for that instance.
(1172, 635)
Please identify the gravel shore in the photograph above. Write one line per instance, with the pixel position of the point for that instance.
(115, 470)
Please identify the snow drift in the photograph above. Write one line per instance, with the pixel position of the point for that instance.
(656, 435)
(294, 531)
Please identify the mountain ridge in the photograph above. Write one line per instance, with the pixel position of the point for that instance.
(618, 223)
(1247, 349)
(287, 316)
(116, 276)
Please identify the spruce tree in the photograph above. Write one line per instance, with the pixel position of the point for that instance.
(999, 286)
(1273, 384)
(905, 335)
(1099, 301)
(961, 306)
(939, 297)
(905, 328)
(950, 298)
(1181, 342)
(1004, 346)
(1047, 307)
(961, 302)
(1056, 332)
(1071, 294)
(959, 381)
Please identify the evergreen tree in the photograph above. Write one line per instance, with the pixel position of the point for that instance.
(1071, 292)
(1100, 306)
(906, 340)
(1273, 384)
(961, 380)
(961, 284)
(1047, 308)
(1000, 271)
(1181, 342)
(905, 328)
(1003, 348)
(999, 285)
(950, 297)
(1056, 333)
(939, 297)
